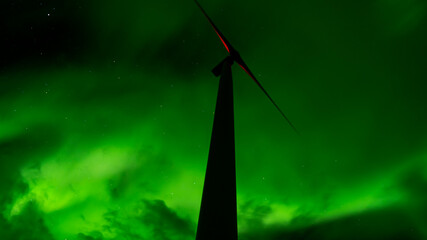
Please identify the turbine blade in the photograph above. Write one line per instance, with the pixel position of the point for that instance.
(243, 65)
(224, 41)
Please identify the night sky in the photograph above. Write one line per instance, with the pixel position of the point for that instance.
(106, 111)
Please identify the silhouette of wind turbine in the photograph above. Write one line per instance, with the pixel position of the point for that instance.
(235, 56)
(218, 210)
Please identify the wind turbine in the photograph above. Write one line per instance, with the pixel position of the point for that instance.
(218, 210)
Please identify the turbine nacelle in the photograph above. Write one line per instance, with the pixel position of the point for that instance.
(234, 56)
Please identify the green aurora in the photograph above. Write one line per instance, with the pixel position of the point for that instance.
(106, 111)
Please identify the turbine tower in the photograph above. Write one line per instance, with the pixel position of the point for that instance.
(218, 211)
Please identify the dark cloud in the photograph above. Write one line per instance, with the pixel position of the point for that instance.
(252, 214)
(16, 152)
(28, 225)
(92, 236)
(414, 183)
(21, 150)
(156, 221)
(387, 224)
(164, 222)
(35, 142)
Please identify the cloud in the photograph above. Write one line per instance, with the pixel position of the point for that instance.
(149, 219)
(252, 214)
(388, 223)
(164, 221)
(23, 149)
(96, 236)
(29, 225)
(414, 184)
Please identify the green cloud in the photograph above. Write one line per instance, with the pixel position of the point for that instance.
(30, 224)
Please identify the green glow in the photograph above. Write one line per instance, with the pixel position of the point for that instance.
(113, 144)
